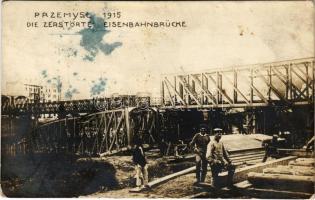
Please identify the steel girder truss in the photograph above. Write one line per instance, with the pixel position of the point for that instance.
(96, 134)
(21, 106)
(281, 83)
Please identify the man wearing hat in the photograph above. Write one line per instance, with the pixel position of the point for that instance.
(219, 160)
(200, 142)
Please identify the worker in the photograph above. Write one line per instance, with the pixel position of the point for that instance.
(219, 160)
(200, 142)
(140, 162)
(271, 147)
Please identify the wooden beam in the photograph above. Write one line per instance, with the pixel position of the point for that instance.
(198, 195)
(166, 178)
(220, 90)
(283, 80)
(235, 88)
(169, 94)
(291, 170)
(253, 88)
(307, 87)
(185, 85)
(120, 123)
(107, 128)
(310, 163)
(263, 193)
(283, 181)
(108, 153)
(128, 131)
(174, 89)
(275, 91)
(206, 91)
(241, 173)
(296, 152)
(298, 75)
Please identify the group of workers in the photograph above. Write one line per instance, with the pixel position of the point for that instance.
(214, 154)
(207, 152)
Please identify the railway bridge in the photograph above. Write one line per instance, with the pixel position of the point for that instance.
(255, 98)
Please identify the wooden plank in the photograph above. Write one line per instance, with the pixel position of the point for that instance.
(274, 194)
(297, 152)
(249, 162)
(110, 153)
(171, 176)
(282, 181)
(291, 170)
(246, 153)
(248, 157)
(310, 160)
(310, 163)
(254, 177)
(168, 177)
(198, 195)
(243, 184)
(241, 174)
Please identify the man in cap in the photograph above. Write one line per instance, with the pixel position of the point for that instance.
(219, 160)
(200, 142)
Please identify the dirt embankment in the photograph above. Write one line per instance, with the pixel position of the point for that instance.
(58, 175)
(54, 175)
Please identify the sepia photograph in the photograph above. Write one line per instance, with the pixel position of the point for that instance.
(158, 99)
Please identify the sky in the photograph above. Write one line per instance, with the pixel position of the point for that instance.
(84, 63)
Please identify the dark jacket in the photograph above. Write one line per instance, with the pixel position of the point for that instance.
(201, 142)
(138, 156)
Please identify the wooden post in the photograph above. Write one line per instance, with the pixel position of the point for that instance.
(290, 82)
(287, 85)
(313, 81)
(307, 82)
(129, 133)
(235, 86)
(252, 85)
(162, 92)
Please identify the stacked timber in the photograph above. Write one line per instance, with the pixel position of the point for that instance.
(291, 170)
(308, 162)
(295, 179)
(249, 157)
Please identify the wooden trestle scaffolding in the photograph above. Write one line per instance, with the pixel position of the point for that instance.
(284, 83)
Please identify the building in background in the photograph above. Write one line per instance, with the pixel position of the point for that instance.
(41, 93)
(34, 92)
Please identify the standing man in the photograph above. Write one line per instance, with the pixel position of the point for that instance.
(219, 160)
(200, 142)
(141, 164)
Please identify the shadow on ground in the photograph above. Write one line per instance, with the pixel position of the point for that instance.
(55, 175)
